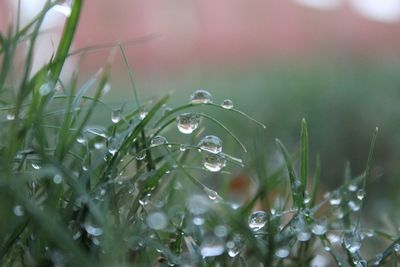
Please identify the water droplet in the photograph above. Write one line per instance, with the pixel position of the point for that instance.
(282, 252)
(142, 114)
(94, 231)
(353, 205)
(18, 210)
(351, 242)
(213, 195)
(36, 165)
(158, 140)
(257, 220)
(335, 200)
(106, 89)
(157, 220)
(10, 116)
(307, 198)
(188, 122)
(303, 236)
(318, 229)
(182, 147)
(45, 89)
(352, 187)
(57, 179)
(81, 139)
(198, 220)
(211, 143)
(213, 162)
(141, 155)
(360, 194)
(198, 204)
(234, 246)
(201, 97)
(167, 110)
(227, 104)
(116, 116)
(334, 238)
(377, 259)
(145, 200)
(396, 247)
(64, 8)
(220, 231)
(212, 248)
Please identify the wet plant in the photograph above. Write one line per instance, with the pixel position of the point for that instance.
(127, 192)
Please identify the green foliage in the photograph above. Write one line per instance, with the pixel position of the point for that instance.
(119, 194)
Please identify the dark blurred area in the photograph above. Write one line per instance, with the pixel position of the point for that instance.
(334, 62)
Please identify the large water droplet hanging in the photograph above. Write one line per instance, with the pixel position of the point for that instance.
(158, 140)
(227, 104)
(116, 116)
(257, 220)
(211, 143)
(157, 220)
(187, 122)
(201, 97)
(213, 162)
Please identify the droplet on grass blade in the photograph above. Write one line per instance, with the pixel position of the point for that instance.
(158, 140)
(201, 97)
(116, 116)
(213, 162)
(18, 210)
(211, 143)
(257, 220)
(157, 220)
(187, 122)
(360, 194)
(282, 252)
(227, 104)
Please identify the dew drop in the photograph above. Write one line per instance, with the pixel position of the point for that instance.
(157, 220)
(187, 122)
(353, 205)
(18, 210)
(220, 231)
(257, 220)
(106, 89)
(211, 143)
(213, 162)
(36, 165)
(167, 110)
(158, 140)
(141, 155)
(227, 104)
(198, 220)
(64, 8)
(94, 231)
(396, 248)
(234, 246)
(318, 229)
(352, 187)
(57, 179)
(10, 116)
(360, 194)
(352, 242)
(201, 97)
(116, 116)
(142, 114)
(212, 248)
(45, 89)
(335, 200)
(213, 195)
(81, 139)
(303, 236)
(145, 200)
(377, 260)
(182, 147)
(282, 252)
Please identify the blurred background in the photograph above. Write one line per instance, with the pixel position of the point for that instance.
(334, 62)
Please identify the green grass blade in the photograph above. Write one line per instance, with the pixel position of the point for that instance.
(304, 153)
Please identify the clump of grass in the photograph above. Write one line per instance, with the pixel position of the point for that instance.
(121, 194)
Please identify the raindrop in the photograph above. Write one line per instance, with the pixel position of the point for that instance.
(94, 231)
(36, 165)
(158, 140)
(335, 200)
(145, 200)
(112, 150)
(157, 220)
(234, 246)
(64, 8)
(187, 122)
(360, 194)
(353, 205)
(10, 116)
(282, 252)
(351, 242)
(182, 147)
(201, 97)
(57, 179)
(116, 116)
(396, 247)
(142, 114)
(318, 229)
(81, 139)
(45, 89)
(377, 260)
(213, 195)
(213, 163)
(257, 220)
(198, 220)
(212, 249)
(352, 187)
(227, 104)
(141, 155)
(211, 143)
(303, 236)
(18, 210)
